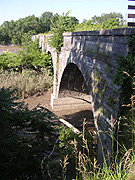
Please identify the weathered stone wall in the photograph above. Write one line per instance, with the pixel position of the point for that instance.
(95, 54)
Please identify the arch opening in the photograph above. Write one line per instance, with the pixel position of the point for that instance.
(74, 103)
(72, 82)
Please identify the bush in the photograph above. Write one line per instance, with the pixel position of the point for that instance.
(8, 60)
(29, 71)
(25, 136)
(125, 77)
(30, 57)
(62, 24)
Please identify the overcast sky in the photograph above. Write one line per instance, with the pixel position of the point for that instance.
(81, 9)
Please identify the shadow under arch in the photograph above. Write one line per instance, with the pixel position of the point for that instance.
(72, 82)
(73, 86)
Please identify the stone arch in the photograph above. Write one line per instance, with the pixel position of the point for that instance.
(81, 63)
(87, 70)
(95, 54)
(74, 85)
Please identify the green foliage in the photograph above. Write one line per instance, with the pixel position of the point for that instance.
(105, 17)
(67, 136)
(80, 163)
(8, 60)
(45, 20)
(105, 21)
(71, 144)
(63, 23)
(30, 63)
(32, 56)
(125, 77)
(110, 24)
(30, 51)
(125, 66)
(87, 26)
(116, 170)
(29, 57)
(24, 138)
(111, 101)
(13, 31)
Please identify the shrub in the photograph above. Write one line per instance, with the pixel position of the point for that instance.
(62, 24)
(30, 57)
(125, 77)
(25, 136)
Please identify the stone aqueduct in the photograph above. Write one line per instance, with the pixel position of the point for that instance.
(87, 63)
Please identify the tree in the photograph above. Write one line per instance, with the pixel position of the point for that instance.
(5, 35)
(105, 21)
(73, 22)
(45, 20)
(104, 17)
(12, 32)
(110, 24)
(63, 23)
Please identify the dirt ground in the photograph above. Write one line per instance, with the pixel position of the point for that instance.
(73, 116)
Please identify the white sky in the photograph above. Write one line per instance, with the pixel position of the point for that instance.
(81, 9)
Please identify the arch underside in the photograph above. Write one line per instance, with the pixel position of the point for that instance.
(74, 93)
(72, 82)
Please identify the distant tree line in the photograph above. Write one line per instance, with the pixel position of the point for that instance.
(12, 32)
(105, 21)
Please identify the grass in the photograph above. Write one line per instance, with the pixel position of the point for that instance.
(121, 168)
(28, 83)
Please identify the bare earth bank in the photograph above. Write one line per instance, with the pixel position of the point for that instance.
(74, 116)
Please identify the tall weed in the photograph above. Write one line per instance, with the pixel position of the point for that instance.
(28, 83)
(85, 165)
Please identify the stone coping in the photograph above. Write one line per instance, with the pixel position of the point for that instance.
(103, 32)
